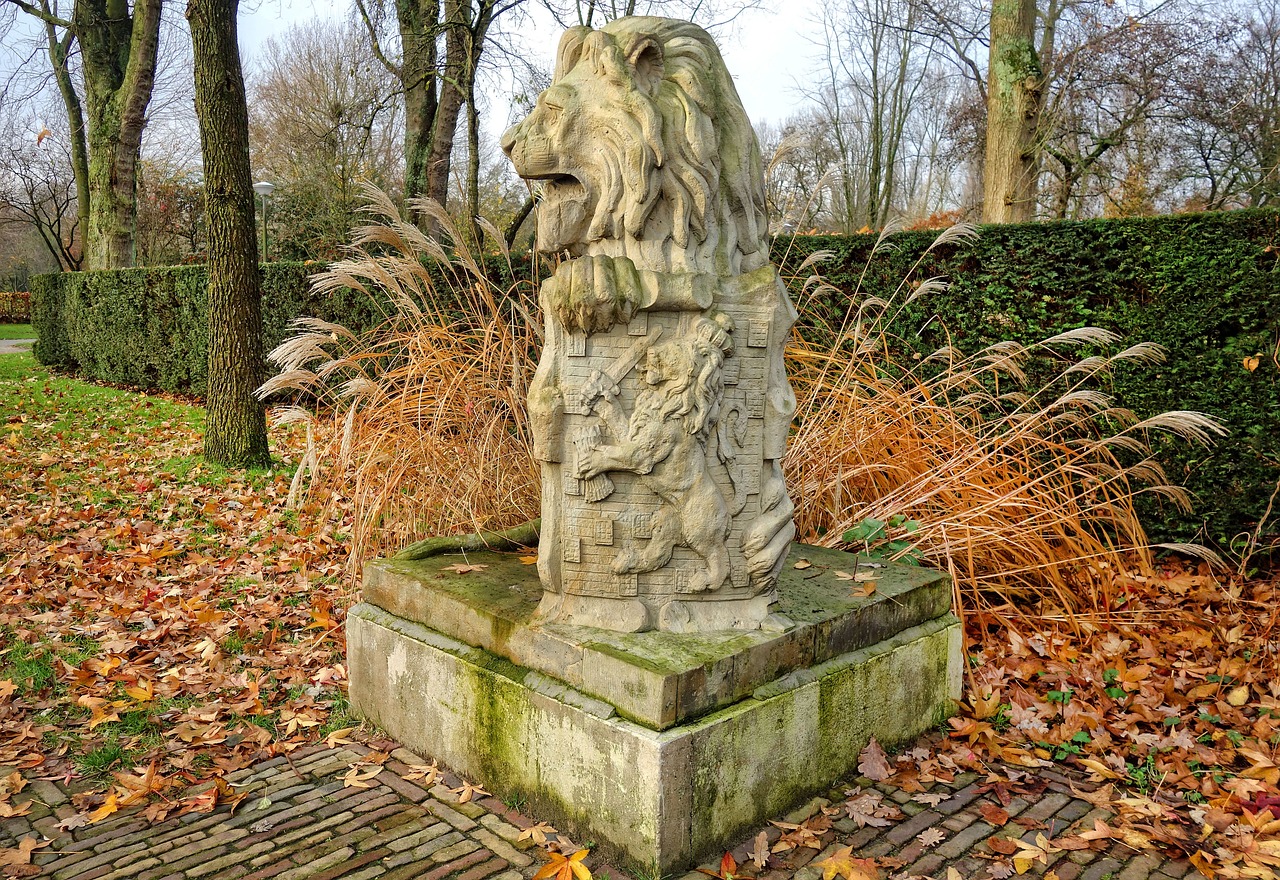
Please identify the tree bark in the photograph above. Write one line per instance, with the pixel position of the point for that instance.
(59, 49)
(453, 79)
(419, 27)
(118, 53)
(235, 427)
(1014, 94)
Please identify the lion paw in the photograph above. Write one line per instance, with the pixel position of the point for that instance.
(591, 294)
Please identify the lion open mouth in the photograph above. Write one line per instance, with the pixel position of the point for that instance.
(563, 210)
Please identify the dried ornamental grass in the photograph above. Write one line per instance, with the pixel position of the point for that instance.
(420, 422)
(1020, 493)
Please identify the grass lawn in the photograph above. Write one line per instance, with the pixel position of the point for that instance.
(152, 607)
(17, 331)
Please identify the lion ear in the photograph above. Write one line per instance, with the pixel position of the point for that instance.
(646, 65)
(570, 50)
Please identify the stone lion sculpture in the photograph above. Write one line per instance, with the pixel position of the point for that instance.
(652, 196)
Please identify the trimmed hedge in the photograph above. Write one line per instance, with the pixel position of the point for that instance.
(147, 327)
(1205, 286)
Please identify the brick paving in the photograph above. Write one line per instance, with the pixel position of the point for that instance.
(299, 821)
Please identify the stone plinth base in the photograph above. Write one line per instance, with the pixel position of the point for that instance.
(655, 797)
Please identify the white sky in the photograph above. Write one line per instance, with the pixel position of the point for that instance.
(767, 50)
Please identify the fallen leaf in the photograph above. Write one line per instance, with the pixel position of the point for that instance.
(338, 737)
(108, 807)
(873, 763)
(802, 564)
(467, 791)
(1004, 845)
(930, 798)
(537, 833)
(21, 856)
(841, 863)
(358, 775)
(728, 868)
(464, 568)
(74, 821)
(564, 868)
(931, 837)
(428, 774)
(995, 815)
(760, 854)
(529, 560)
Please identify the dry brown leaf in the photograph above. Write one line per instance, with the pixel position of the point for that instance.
(873, 763)
(997, 816)
(537, 833)
(931, 837)
(21, 855)
(463, 568)
(760, 853)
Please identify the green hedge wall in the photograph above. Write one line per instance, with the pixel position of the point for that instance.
(1205, 286)
(148, 327)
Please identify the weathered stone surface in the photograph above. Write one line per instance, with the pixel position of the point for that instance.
(655, 678)
(660, 406)
(663, 797)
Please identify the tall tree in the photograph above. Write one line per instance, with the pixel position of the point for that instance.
(435, 88)
(235, 427)
(323, 114)
(1015, 85)
(118, 47)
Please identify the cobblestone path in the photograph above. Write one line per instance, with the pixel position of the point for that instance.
(299, 820)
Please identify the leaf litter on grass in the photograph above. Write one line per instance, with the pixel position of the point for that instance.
(162, 623)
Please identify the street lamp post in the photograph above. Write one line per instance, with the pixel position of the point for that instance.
(264, 189)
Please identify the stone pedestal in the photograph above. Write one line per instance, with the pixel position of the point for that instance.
(661, 747)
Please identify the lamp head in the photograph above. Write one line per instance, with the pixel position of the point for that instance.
(264, 188)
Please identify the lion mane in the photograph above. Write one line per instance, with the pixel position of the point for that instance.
(672, 155)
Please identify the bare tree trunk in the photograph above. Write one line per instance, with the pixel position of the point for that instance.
(452, 96)
(59, 49)
(235, 428)
(1014, 95)
(419, 25)
(118, 53)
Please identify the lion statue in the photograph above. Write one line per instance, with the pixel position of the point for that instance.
(651, 199)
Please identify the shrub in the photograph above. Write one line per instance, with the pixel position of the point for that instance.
(1205, 287)
(15, 307)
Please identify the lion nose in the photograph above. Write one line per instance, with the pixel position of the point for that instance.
(509, 139)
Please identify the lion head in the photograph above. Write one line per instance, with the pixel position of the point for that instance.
(644, 151)
(688, 371)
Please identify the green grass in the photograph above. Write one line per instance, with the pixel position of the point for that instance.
(76, 408)
(17, 331)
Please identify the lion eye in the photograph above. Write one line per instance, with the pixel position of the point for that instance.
(552, 112)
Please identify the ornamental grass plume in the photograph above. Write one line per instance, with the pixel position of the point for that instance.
(418, 423)
(1025, 495)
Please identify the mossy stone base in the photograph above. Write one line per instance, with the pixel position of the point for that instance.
(661, 679)
(653, 799)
